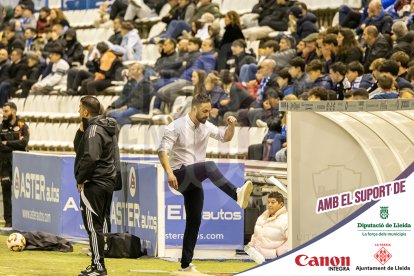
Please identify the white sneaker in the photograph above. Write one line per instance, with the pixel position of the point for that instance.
(254, 254)
(190, 268)
(243, 194)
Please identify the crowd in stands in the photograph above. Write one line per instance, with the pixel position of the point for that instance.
(367, 55)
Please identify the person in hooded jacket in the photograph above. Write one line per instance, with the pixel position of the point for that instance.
(73, 49)
(305, 23)
(97, 173)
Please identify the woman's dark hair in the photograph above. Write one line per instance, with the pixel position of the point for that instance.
(349, 42)
(234, 18)
(226, 76)
(199, 87)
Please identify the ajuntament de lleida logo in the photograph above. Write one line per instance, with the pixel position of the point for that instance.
(384, 212)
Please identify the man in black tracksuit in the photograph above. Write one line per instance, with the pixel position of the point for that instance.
(96, 171)
(14, 135)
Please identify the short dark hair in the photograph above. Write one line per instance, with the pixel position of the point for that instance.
(226, 76)
(385, 81)
(195, 40)
(102, 47)
(339, 67)
(275, 124)
(410, 73)
(356, 66)
(12, 105)
(390, 66)
(273, 92)
(278, 196)
(239, 42)
(271, 44)
(319, 92)
(314, 65)
(361, 93)
(284, 74)
(127, 25)
(298, 62)
(200, 99)
(401, 57)
(91, 104)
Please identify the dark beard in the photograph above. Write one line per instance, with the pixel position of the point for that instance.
(8, 119)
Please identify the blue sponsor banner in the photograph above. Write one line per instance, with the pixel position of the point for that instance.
(142, 219)
(36, 192)
(222, 223)
(72, 223)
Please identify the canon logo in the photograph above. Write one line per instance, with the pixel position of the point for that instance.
(303, 260)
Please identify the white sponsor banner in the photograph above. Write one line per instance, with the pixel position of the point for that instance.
(377, 239)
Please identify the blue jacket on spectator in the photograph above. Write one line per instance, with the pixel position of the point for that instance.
(386, 95)
(131, 46)
(206, 62)
(323, 81)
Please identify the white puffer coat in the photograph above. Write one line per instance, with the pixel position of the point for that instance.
(271, 234)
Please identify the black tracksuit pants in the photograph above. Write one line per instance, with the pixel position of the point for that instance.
(7, 199)
(95, 201)
(189, 184)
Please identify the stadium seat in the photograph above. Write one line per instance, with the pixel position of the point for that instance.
(256, 135)
(150, 54)
(144, 117)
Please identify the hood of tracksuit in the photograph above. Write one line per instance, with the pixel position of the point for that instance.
(107, 123)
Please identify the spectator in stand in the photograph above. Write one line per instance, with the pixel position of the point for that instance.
(33, 42)
(377, 46)
(318, 94)
(35, 69)
(387, 88)
(206, 61)
(50, 43)
(284, 81)
(13, 41)
(214, 89)
(116, 38)
(248, 71)
(232, 33)
(393, 69)
(240, 57)
(135, 97)
(73, 49)
(402, 38)
(309, 52)
(375, 68)
(137, 9)
(410, 74)
(402, 59)
(183, 11)
(237, 99)
(300, 78)
(17, 69)
(56, 77)
(57, 17)
(28, 20)
(337, 72)
(28, 3)
(58, 35)
(131, 45)
(357, 78)
(4, 65)
(275, 18)
(316, 77)
(348, 48)
(304, 25)
(285, 52)
(108, 70)
(377, 17)
(42, 22)
(358, 95)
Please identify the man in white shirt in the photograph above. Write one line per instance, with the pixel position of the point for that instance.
(186, 140)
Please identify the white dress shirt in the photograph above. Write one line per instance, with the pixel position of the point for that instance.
(187, 143)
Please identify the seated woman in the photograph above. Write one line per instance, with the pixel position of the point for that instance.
(270, 232)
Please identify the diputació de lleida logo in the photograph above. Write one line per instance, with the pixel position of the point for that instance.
(384, 212)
